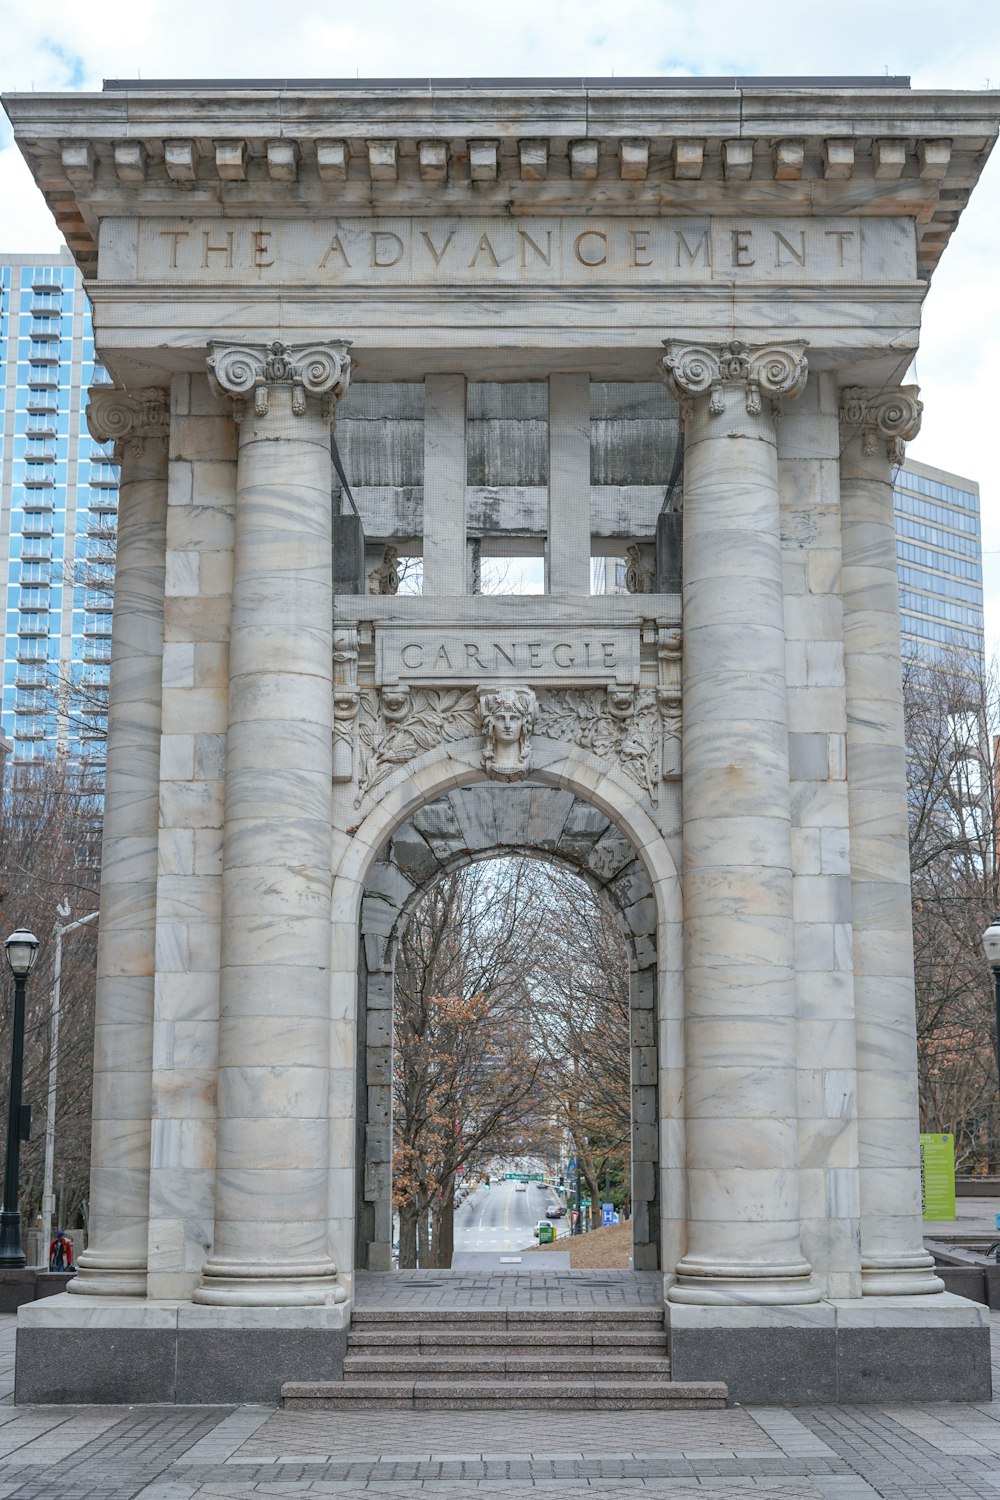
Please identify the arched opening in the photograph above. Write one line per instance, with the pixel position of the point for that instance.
(554, 861)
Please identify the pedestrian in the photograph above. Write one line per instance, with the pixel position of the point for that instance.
(61, 1252)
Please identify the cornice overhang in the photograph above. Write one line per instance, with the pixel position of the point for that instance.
(513, 149)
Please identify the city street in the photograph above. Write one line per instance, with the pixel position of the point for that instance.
(500, 1218)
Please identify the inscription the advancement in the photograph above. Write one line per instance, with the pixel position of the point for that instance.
(503, 250)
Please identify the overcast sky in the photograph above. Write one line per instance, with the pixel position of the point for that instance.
(63, 44)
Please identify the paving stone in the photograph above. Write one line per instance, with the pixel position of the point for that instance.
(930, 1451)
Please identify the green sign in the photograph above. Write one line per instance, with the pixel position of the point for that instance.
(546, 1234)
(937, 1176)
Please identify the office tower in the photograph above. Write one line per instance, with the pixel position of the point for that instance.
(940, 560)
(58, 506)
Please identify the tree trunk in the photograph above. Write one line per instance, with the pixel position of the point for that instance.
(446, 1226)
(434, 1262)
(408, 1236)
(424, 1261)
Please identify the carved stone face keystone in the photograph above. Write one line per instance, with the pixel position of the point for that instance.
(508, 719)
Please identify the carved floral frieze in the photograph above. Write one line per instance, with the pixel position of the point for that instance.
(634, 730)
(620, 725)
(398, 724)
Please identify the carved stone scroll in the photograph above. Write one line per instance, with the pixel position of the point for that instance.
(890, 416)
(385, 578)
(244, 370)
(766, 372)
(115, 416)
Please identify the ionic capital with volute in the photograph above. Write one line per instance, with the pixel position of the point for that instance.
(116, 416)
(889, 416)
(240, 371)
(765, 372)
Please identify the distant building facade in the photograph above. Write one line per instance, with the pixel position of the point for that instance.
(939, 548)
(58, 508)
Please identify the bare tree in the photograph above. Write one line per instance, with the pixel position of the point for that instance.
(952, 718)
(463, 1072)
(581, 1002)
(47, 844)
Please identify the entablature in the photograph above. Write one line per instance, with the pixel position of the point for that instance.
(524, 150)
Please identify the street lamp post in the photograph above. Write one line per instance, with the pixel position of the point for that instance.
(48, 1195)
(21, 949)
(991, 942)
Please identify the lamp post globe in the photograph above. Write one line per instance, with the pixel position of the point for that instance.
(21, 949)
(991, 942)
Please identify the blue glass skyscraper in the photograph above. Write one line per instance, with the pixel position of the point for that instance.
(58, 507)
(939, 549)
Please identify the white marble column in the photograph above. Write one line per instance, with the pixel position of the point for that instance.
(740, 1092)
(444, 485)
(114, 1264)
(271, 1222)
(874, 426)
(569, 485)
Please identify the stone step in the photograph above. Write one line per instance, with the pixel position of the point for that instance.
(504, 1367)
(511, 1338)
(491, 1320)
(516, 1395)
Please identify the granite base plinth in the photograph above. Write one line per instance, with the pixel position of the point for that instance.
(83, 1352)
(873, 1350)
(28, 1283)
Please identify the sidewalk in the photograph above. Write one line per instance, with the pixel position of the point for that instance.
(933, 1452)
(973, 1216)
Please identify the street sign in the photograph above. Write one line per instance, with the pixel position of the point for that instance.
(937, 1176)
(607, 1213)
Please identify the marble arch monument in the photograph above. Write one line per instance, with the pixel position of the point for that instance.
(511, 296)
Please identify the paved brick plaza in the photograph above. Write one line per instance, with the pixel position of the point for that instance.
(934, 1452)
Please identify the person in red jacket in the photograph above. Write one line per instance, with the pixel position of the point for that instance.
(61, 1252)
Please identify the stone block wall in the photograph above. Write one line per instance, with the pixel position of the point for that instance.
(197, 607)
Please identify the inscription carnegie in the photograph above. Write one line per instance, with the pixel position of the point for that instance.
(541, 655)
(507, 656)
(478, 250)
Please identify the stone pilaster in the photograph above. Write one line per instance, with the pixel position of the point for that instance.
(271, 1211)
(740, 1099)
(874, 427)
(114, 1264)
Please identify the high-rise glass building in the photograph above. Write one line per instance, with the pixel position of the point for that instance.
(940, 560)
(58, 508)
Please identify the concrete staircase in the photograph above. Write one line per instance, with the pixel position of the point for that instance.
(499, 1358)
